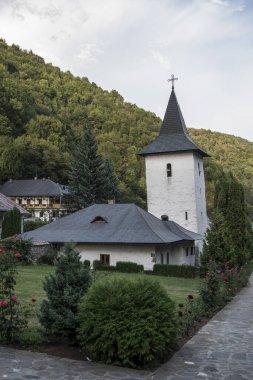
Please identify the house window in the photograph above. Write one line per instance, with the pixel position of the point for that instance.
(169, 171)
(161, 258)
(168, 257)
(192, 250)
(186, 251)
(186, 215)
(105, 259)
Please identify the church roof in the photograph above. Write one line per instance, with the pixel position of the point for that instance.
(173, 135)
(6, 204)
(33, 188)
(112, 224)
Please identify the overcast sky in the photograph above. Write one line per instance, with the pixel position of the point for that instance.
(133, 46)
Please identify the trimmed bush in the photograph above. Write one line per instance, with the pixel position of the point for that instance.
(86, 263)
(186, 271)
(96, 264)
(128, 267)
(126, 322)
(106, 268)
(48, 258)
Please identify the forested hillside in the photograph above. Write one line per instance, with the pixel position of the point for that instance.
(43, 111)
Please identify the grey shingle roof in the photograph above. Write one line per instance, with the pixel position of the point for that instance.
(6, 204)
(32, 187)
(126, 224)
(173, 135)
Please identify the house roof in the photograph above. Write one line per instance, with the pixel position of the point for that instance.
(32, 187)
(6, 204)
(173, 135)
(123, 223)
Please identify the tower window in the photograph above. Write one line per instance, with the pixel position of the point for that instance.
(169, 171)
(199, 168)
(186, 215)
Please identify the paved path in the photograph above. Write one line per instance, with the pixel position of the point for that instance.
(24, 365)
(221, 350)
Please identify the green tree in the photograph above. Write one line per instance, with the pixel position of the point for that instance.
(11, 223)
(216, 244)
(229, 238)
(111, 185)
(64, 289)
(87, 182)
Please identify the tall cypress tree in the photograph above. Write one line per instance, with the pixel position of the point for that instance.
(87, 182)
(11, 223)
(111, 185)
(229, 238)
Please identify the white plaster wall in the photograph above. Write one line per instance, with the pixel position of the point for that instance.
(200, 194)
(177, 254)
(140, 254)
(183, 192)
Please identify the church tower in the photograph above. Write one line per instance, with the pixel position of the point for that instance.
(175, 173)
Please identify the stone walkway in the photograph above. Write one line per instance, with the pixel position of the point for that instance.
(221, 350)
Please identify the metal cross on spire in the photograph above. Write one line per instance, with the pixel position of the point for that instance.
(172, 79)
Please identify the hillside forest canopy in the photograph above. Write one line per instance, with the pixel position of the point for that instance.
(43, 112)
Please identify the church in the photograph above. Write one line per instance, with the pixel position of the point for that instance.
(173, 228)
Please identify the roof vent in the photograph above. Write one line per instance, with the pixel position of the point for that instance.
(164, 218)
(10, 180)
(99, 219)
(111, 201)
(35, 178)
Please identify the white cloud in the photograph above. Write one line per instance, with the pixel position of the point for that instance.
(134, 46)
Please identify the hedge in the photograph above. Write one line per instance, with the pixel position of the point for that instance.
(128, 267)
(186, 271)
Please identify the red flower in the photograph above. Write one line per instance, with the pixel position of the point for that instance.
(3, 304)
(14, 298)
(181, 305)
(190, 297)
(2, 250)
(34, 299)
(18, 255)
(180, 313)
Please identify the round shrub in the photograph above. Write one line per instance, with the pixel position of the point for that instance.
(126, 322)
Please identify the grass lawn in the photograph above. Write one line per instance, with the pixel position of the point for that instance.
(30, 284)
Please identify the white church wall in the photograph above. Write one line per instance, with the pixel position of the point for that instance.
(175, 195)
(139, 254)
(200, 194)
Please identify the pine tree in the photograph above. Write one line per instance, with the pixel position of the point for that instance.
(11, 223)
(87, 177)
(64, 289)
(111, 190)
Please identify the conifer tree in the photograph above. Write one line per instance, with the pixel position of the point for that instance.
(11, 223)
(111, 190)
(64, 290)
(229, 238)
(87, 177)
(216, 244)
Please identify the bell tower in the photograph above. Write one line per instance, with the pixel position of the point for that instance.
(175, 173)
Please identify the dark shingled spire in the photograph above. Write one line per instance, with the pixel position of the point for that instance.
(173, 135)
